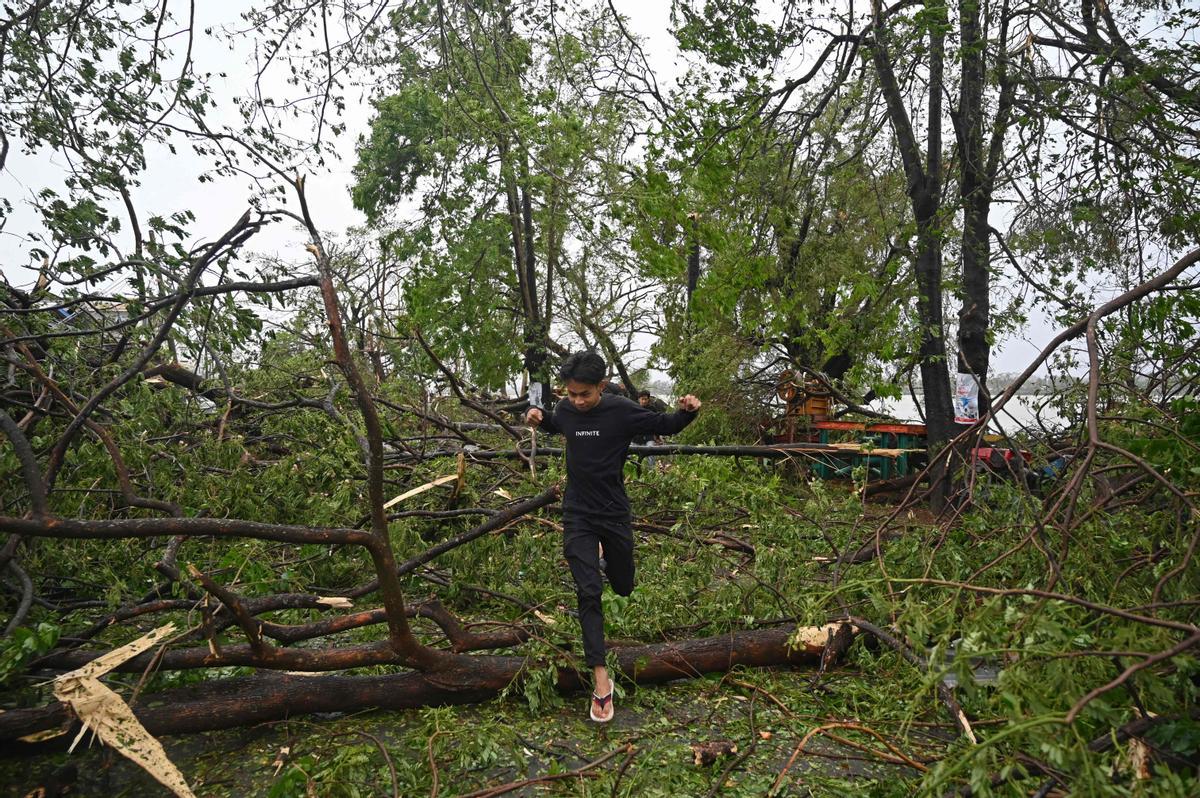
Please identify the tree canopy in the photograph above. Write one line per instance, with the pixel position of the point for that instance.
(298, 437)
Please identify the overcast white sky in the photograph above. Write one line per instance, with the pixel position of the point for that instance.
(169, 184)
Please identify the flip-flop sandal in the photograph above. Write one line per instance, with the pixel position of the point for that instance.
(602, 701)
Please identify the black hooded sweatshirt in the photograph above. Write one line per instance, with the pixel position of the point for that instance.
(597, 444)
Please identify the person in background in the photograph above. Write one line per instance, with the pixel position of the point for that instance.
(598, 428)
(652, 402)
(615, 388)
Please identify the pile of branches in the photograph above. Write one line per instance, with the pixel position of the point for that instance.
(232, 629)
(1137, 453)
(46, 417)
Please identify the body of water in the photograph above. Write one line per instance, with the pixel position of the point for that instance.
(1020, 411)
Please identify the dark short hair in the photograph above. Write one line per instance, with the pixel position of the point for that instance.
(586, 367)
(645, 394)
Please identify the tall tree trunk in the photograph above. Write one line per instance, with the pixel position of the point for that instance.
(693, 263)
(536, 325)
(935, 375)
(520, 214)
(924, 190)
(974, 187)
(978, 183)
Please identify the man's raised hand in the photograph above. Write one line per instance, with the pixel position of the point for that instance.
(689, 403)
(533, 416)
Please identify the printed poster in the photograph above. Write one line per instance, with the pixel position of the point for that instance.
(966, 399)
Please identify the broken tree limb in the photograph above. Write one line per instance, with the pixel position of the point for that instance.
(577, 773)
(493, 523)
(255, 606)
(26, 600)
(244, 655)
(777, 451)
(292, 659)
(464, 679)
(304, 659)
(461, 640)
(456, 386)
(32, 474)
(456, 429)
(1132, 730)
(52, 527)
(235, 604)
(380, 545)
(865, 552)
(897, 756)
(889, 485)
(944, 691)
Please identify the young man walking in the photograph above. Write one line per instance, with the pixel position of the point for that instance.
(598, 428)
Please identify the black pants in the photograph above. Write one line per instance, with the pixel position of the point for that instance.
(581, 533)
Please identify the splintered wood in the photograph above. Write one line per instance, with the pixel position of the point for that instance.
(108, 716)
(421, 489)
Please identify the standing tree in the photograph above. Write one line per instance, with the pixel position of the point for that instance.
(505, 137)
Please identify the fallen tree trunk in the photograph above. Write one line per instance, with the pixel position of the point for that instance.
(226, 703)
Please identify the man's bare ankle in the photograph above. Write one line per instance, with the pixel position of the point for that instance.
(602, 684)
